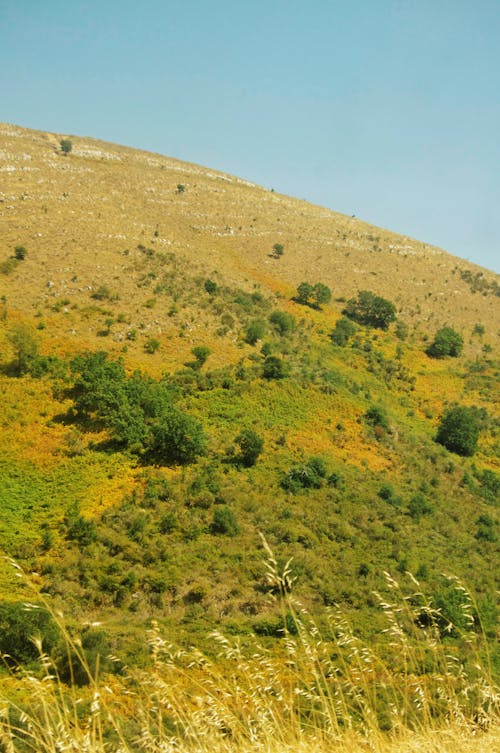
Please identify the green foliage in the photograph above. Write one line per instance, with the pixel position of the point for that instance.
(282, 322)
(278, 250)
(255, 331)
(459, 430)
(177, 438)
(486, 529)
(344, 329)
(376, 416)
(20, 253)
(151, 345)
(273, 368)
(309, 475)
(19, 625)
(446, 342)
(419, 505)
(250, 447)
(224, 522)
(137, 411)
(371, 310)
(23, 339)
(66, 146)
(79, 529)
(201, 353)
(210, 287)
(319, 293)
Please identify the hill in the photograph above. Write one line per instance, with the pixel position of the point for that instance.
(138, 482)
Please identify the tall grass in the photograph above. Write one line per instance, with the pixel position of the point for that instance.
(321, 689)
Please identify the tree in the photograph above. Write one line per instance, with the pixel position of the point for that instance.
(251, 446)
(344, 329)
(304, 291)
(278, 250)
(23, 339)
(177, 438)
(370, 309)
(459, 430)
(447, 342)
(321, 294)
(255, 331)
(66, 146)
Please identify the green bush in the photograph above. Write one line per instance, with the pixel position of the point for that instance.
(250, 447)
(274, 368)
(344, 329)
(255, 331)
(20, 253)
(446, 342)
(224, 522)
(309, 475)
(66, 146)
(282, 322)
(370, 309)
(459, 430)
(210, 286)
(19, 625)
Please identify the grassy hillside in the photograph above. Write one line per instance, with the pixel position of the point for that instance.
(136, 484)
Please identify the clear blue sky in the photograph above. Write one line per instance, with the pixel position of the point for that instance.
(386, 109)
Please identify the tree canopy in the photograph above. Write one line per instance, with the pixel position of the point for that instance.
(370, 309)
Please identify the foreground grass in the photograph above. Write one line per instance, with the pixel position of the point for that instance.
(320, 690)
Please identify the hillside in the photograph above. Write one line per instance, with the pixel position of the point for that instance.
(171, 270)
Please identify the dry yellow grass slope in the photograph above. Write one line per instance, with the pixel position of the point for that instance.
(81, 216)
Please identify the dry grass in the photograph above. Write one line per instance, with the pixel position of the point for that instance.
(320, 691)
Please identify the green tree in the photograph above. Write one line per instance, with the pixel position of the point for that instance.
(278, 250)
(255, 331)
(321, 294)
(370, 309)
(344, 329)
(177, 438)
(459, 430)
(250, 447)
(23, 339)
(446, 342)
(66, 146)
(18, 626)
(304, 290)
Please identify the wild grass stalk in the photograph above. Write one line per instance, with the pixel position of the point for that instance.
(318, 690)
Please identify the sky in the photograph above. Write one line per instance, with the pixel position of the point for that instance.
(384, 109)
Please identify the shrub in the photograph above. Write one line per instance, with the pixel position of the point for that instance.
(250, 447)
(224, 522)
(210, 286)
(282, 322)
(278, 250)
(446, 342)
(370, 309)
(419, 505)
(459, 430)
(308, 475)
(177, 438)
(18, 626)
(255, 331)
(20, 253)
(273, 368)
(377, 416)
(319, 292)
(343, 330)
(201, 353)
(66, 146)
(25, 344)
(151, 345)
